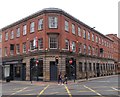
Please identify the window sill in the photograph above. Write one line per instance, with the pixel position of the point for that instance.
(40, 29)
(66, 31)
(25, 35)
(32, 32)
(53, 28)
(18, 37)
(73, 34)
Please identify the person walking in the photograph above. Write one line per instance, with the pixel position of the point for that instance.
(60, 78)
(65, 79)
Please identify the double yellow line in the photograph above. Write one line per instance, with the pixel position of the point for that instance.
(70, 95)
(42, 91)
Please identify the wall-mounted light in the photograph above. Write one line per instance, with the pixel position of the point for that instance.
(93, 28)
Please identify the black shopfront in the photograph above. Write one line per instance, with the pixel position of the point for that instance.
(36, 69)
(14, 69)
(71, 68)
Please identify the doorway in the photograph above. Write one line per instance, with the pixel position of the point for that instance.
(98, 70)
(53, 71)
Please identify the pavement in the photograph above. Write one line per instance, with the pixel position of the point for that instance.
(55, 82)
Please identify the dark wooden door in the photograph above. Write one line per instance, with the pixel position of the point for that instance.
(53, 71)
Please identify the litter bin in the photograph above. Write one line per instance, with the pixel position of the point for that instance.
(8, 79)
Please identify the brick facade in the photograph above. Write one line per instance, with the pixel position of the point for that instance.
(116, 49)
(93, 57)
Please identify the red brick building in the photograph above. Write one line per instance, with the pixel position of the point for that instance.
(116, 50)
(52, 41)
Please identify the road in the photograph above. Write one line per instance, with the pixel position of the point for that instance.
(102, 87)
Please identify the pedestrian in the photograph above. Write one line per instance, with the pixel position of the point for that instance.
(60, 78)
(65, 79)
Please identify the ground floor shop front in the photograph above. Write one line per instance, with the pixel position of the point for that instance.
(46, 67)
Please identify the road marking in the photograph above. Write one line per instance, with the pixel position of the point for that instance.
(30, 94)
(83, 91)
(101, 87)
(93, 91)
(29, 90)
(103, 81)
(42, 91)
(18, 91)
(54, 93)
(70, 95)
(115, 89)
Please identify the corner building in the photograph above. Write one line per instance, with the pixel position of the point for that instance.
(51, 41)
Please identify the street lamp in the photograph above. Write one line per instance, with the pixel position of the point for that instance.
(92, 28)
(72, 64)
(85, 47)
(37, 69)
(86, 55)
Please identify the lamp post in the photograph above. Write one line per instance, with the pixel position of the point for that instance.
(31, 68)
(86, 66)
(86, 55)
(37, 69)
(85, 47)
(72, 64)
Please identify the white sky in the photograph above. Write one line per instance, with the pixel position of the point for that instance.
(102, 14)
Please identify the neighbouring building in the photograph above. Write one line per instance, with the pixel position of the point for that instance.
(51, 41)
(116, 50)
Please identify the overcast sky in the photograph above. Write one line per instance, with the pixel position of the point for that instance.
(102, 14)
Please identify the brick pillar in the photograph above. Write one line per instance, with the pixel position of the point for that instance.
(46, 67)
(78, 75)
(62, 65)
(27, 69)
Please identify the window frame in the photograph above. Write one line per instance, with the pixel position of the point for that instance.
(18, 32)
(55, 42)
(5, 51)
(96, 39)
(32, 27)
(24, 47)
(40, 24)
(53, 22)
(73, 29)
(6, 36)
(79, 31)
(93, 51)
(17, 48)
(12, 34)
(93, 37)
(40, 43)
(80, 47)
(31, 44)
(89, 50)
(66, 26)
(24, 29)
(88, 35)
(73, 46)
(85, 48)
(67, 44)
(99, 40)
(84, 33)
